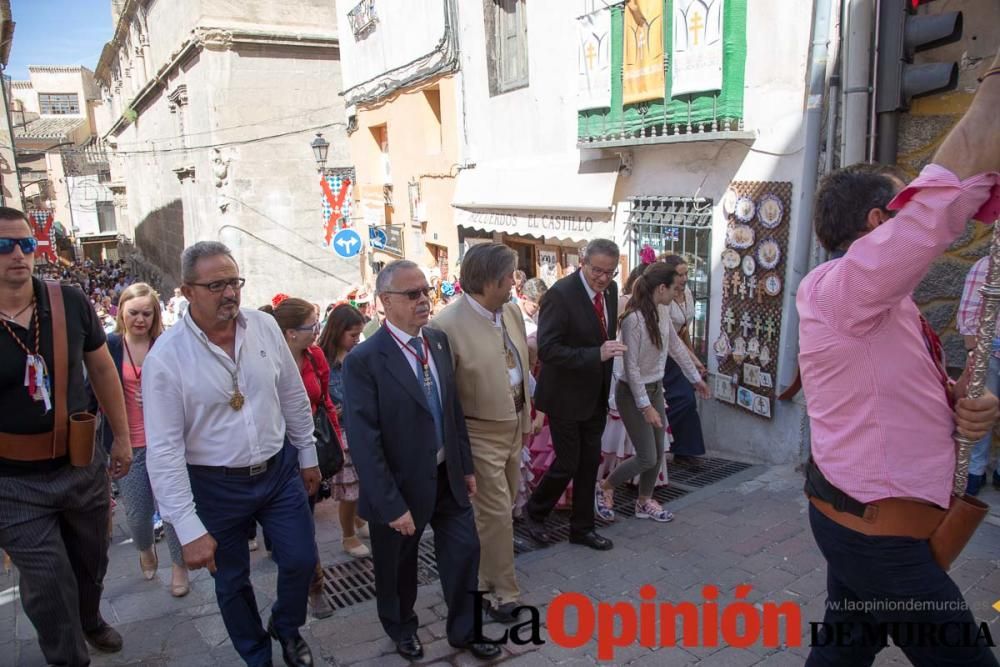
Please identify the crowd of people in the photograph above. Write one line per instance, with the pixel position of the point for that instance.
(462, 411)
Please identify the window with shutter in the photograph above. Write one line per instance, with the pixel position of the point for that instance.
(510, 45)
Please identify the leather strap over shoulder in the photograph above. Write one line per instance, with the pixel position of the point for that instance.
(60, 372)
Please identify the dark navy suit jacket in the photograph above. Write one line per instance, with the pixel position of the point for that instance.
(391, 432)
(117, 351)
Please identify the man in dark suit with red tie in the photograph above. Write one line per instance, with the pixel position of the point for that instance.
(410, 447)
(577, 327)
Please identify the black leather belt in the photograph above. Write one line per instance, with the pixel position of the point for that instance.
(248, 471)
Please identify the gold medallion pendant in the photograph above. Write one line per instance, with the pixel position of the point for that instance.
(237, 400)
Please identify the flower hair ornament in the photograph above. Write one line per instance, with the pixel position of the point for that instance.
(647, 255)
(278, 298)
(447, 289)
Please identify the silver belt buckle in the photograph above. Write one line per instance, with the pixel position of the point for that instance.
(258, 469)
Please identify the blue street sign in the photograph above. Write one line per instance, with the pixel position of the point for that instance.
(347, 243)
(377, 237)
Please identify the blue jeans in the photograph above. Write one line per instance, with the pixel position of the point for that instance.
(886, 574)
(228, 506)
(981, 450)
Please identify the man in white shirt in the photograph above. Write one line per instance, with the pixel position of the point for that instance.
(229, 427)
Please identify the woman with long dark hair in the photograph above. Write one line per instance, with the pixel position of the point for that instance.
(682, 408)
(341, 333)
(649, 340)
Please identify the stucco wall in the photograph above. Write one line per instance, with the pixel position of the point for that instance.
(414, 155)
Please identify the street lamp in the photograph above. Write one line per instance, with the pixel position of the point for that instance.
(320, 147)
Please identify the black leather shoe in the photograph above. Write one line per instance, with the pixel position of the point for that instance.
(593, 540)
(502, 613)
(537, 531)
(294, 650)
(410, 648)
(481, 651)
(105, 639)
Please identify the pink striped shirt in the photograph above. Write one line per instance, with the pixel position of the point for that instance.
(971, 306)
(880, 422)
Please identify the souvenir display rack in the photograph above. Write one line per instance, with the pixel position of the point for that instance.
(753, 264)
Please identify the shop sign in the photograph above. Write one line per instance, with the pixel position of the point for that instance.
(572, 225)
(394, 240)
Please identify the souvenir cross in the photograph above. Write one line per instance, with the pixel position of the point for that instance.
(735, 282)
(757, 326)
(729, 320)
(746, 325)
(751, 286)
(743, 289)
(769, 326)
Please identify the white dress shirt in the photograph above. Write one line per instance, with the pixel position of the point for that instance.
(496, 319)
(185, 395)
(591, 294)
(400, 335)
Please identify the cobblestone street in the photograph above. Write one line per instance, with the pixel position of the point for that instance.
(750, 528)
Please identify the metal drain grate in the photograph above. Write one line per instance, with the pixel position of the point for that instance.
(353, 582)
(704, 471)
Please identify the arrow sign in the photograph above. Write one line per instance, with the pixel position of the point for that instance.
(377, 237)
(347, 243)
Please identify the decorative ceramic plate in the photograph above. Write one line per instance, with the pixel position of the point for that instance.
(729, 201)
(765, 356)
(730, 258)
(772, 284)
(745, 209)
(769, 253)
(769, 211)
(739, 349)
(740, 236)
(749, 266)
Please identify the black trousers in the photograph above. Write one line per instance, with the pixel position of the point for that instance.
(885, 577)
(456, 545)
(577, 445)
(54, 526)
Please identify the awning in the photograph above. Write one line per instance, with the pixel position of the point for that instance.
(563, 199)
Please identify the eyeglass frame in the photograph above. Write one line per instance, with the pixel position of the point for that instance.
(312, 327)
(601, 272)
(239, 283)
(412, 294)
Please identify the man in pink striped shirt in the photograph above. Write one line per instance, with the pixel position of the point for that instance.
(879, 403)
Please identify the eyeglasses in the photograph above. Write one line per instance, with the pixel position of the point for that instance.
(28, 245)
(309, 327)
(601, 272)
(220, 285)
(412, 294)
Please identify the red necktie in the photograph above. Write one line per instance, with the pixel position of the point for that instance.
(599, 309)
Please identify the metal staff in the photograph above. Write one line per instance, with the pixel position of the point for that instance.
(990, 292)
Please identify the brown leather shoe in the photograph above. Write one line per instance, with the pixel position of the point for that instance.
(105, 639)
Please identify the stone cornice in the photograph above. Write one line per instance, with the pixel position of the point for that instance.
(214, 38)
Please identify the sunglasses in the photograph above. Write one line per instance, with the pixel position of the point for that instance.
(28, 245)
(412, 294)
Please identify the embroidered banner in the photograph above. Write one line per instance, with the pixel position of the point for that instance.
(594, 60)
(43, 233)
(642, 76)
(696, 63)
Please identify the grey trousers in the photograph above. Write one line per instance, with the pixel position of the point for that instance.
(54, 526)
(646, 438)
(140, 505)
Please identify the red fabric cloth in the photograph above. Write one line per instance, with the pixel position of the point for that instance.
(316, 378)
(599, 309)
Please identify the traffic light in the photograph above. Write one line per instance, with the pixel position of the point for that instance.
(901, 33)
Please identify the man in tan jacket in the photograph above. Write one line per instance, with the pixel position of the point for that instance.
(490, 354)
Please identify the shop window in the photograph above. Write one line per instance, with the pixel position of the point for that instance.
(507, 40)
(59, 104)
(680, 226)
(106, 217)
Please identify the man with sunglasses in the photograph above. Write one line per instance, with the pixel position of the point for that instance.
(54, 516)
(411, 451)
(577, 327)
(229, 442)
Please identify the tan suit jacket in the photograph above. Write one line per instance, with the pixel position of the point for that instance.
(479, 357)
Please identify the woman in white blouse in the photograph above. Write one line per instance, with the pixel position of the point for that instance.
(649, 337)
